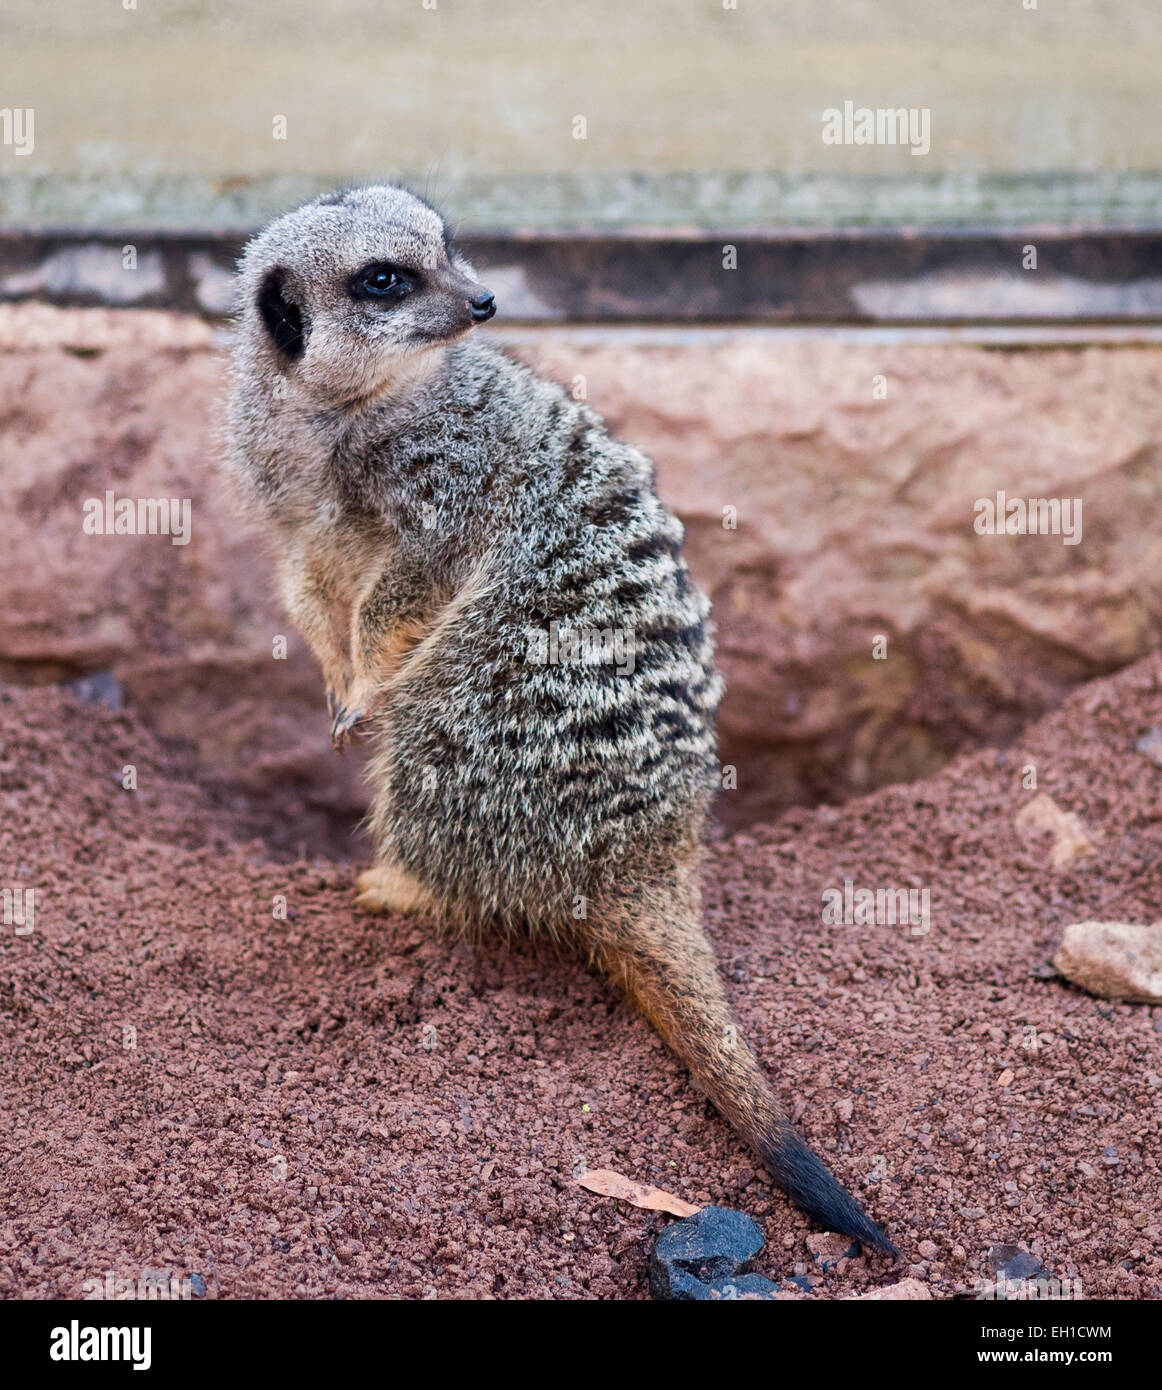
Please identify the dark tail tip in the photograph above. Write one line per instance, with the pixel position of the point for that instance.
(814, 1190)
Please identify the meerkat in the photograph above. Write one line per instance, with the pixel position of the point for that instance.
(462, 545)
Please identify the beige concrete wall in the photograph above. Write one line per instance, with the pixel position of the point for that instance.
(464, 96)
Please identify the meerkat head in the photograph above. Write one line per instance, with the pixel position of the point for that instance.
(350, 292)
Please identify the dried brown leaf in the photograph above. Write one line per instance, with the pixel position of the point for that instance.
(607, 1183)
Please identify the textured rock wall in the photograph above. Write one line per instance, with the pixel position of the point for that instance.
(854, 521)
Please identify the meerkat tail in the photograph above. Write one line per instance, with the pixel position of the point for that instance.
(678, 989)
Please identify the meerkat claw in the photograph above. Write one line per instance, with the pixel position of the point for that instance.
(345, 727)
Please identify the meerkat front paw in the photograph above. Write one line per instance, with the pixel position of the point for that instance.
(355, 708)
(345, 725)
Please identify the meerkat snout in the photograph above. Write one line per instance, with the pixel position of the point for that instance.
(483, 306)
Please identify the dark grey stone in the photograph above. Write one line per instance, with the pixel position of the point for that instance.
(1011, 1262)
(100, 688)
(728, 1290)
(705, 1252)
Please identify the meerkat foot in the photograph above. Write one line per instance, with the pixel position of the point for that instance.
(386, 888)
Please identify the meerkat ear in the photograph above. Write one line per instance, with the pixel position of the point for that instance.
(282, 316)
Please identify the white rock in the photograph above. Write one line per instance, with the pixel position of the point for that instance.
(907, 1290)
(1043, 816)
(1115, 960)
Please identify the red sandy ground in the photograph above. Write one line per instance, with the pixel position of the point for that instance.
(446, 1168)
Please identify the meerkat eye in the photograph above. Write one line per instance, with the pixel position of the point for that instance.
(380, 280)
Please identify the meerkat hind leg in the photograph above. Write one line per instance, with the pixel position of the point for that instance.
(388, 888)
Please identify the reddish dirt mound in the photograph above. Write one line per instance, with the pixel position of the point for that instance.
(336, 1106)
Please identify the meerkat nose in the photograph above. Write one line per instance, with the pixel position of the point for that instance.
(483, 306)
